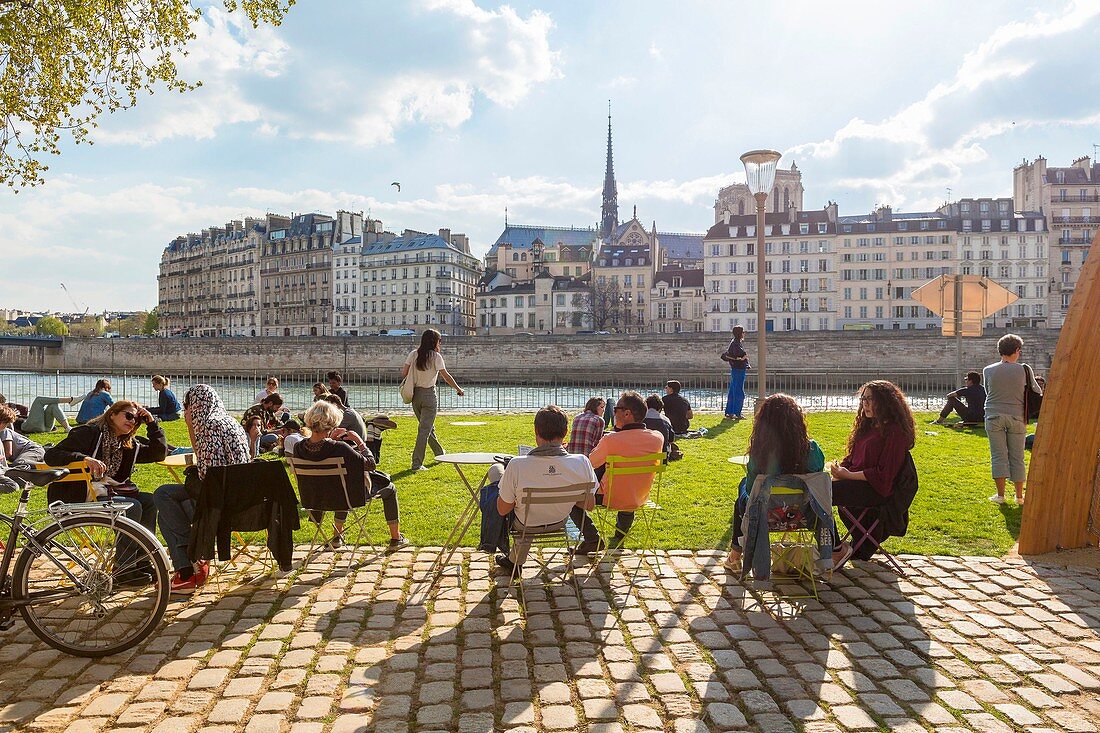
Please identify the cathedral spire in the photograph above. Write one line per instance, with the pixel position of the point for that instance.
(609, 215)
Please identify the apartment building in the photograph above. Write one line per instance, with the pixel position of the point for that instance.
(523, 251)
(207, 284)
(1011, 248)
(419, 279)
(1069, 200)
(677, 300)
(352, 232)
(546, 303)
(623, 274)
(800, 271)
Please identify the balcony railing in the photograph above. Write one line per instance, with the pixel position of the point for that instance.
(1077, 197)
(1087, 220)
(1075, 240)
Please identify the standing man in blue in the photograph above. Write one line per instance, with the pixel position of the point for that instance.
(739, 363)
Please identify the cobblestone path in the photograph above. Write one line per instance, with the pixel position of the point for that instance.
(959, 644)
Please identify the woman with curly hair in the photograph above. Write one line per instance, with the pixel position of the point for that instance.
(779, 444)
(883, 434)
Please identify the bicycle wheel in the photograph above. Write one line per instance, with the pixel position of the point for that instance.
(79, 594)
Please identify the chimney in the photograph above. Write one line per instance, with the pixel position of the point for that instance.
(792, 213)
(726, 217)
(831, 212)
(445, 235)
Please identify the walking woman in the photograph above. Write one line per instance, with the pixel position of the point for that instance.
(168, 407)
(218, 440)
(739, 363)
(96, 402)
(427, 366)
(110, 446)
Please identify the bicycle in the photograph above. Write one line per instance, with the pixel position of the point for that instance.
(88, 581)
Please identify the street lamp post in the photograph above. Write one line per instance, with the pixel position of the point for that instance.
(759, 177)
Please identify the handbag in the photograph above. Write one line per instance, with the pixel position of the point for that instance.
(1033, 401)
(407, 385)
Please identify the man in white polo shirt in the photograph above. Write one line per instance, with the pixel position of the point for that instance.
(547, 466)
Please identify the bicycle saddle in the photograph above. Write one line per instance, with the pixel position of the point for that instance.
(38, 477)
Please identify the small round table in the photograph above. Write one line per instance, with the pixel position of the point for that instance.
(466, 518)
(177, 461)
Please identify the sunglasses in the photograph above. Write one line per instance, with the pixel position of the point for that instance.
(130, 416)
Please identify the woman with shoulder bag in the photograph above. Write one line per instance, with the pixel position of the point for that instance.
(738, 360)
(424, 366)
(110, 446)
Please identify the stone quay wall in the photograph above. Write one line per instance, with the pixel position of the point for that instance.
(514, 359)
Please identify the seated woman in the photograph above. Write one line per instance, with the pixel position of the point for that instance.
(111, 447)
(779, 444)
(44, 412)
(168, 407)
(218, 440)
(327, 440)
(95, 402)
(882, 436)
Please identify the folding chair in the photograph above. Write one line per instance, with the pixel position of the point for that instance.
(325, 486)
(261, 500)
(862, 528)
(525, 538)
(604, 516)
(874, 524)
(793, 545)
(75, 488)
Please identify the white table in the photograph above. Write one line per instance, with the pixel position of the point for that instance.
(177, 461)
(466, 518)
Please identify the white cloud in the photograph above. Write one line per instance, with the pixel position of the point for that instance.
(226, 51)
(622, 82)
(1009, 83)
(655, 51)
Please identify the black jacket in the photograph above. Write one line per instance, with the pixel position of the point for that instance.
(83, 442)
(249, 497)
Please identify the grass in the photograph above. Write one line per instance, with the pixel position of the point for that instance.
(950, 516)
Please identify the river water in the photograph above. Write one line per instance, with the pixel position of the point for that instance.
(372, 393)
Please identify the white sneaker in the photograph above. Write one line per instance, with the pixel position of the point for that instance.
(997, 499)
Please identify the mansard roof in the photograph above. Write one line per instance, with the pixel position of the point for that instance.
(409, 244)
(682, 246)
(522, 236)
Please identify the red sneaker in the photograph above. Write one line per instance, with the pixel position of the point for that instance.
(203, 571)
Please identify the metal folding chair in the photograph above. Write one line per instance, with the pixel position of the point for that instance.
(555, 536)
(861, 529)
(644, 516)
(75, 488)
(793, 545)
(335, 471)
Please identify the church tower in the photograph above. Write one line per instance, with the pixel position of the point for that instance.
(609, 215)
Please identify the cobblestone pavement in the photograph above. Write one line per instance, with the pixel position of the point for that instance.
(958, 644)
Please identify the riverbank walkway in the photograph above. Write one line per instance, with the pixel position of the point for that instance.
(958, 644)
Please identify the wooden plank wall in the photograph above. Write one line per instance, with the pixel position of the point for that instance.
(1067, 438)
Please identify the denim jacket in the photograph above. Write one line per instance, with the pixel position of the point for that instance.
(816, 514)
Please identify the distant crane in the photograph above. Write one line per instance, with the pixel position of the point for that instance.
(73, 301)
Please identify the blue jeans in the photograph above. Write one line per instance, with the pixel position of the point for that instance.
(142, 510)
(175, 510)
(735, 400)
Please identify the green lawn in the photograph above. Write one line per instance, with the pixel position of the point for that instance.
(951, 514)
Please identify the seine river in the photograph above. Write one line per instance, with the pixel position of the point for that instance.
(814, 391)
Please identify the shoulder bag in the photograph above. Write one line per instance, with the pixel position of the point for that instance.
(1033, 401)
(408, 384)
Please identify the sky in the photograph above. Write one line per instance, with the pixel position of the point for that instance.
(477, 107)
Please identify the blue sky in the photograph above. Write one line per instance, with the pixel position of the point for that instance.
(477, 106)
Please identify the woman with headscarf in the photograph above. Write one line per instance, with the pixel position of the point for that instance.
(110, 446)
(218, 440)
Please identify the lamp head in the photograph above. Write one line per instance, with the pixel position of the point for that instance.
(760, 170)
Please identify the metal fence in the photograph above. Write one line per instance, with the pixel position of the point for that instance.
(376, 390)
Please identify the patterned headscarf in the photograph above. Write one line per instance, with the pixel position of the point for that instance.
(219, 439)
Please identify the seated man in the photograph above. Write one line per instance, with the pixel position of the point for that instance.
(351, 419)
(631, 438)
(655, 421)
(548, 466)
(968, 401)
(19, 451)
(260, 419)
(283, 439)
(677, 409)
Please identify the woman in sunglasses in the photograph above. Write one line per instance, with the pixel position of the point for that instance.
(111, 447)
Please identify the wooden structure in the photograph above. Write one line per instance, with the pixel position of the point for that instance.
(1060, 487)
